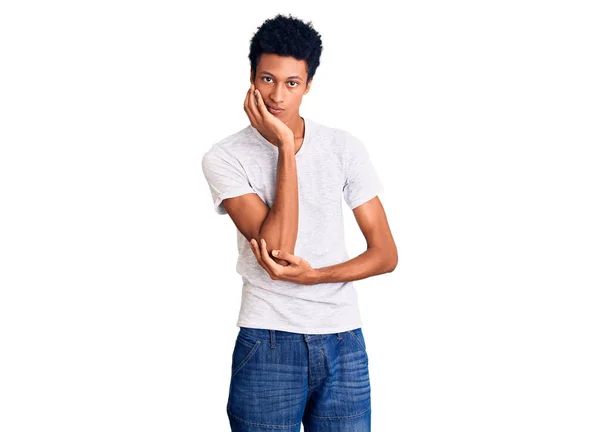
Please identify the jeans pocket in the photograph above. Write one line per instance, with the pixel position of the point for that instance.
(360, 340)
(243, 351)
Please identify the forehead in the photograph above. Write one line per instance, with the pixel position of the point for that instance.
(281, 66)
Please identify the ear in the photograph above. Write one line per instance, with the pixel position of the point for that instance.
(251, 73)
(308, 87)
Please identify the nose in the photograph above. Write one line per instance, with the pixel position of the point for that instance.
(277, 95)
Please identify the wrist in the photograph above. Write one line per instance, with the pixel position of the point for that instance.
(287, 145)
(314, 277)
(286, 139)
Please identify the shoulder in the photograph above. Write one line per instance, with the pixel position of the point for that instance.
(340, 141)
(230, 146)
(333, 138)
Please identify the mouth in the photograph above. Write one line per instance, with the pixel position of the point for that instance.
(274, 110)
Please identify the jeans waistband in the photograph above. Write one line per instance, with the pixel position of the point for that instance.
(280, 335)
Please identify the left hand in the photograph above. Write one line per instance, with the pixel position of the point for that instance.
(298, 271)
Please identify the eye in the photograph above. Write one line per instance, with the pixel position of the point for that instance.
(291, 82)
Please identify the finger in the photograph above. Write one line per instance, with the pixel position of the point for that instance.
(246, 99)
(262, 108)
(253, 104)
(281, 262)
(286, 256)
(267, 258)
(256, 252)
(249, 112)
(250, 107)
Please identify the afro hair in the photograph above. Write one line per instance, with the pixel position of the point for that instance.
(287, 36)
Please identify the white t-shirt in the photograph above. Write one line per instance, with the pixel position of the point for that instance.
(331, 163)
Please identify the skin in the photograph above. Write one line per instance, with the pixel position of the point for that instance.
(282, 83)
(253, 218)
(277, 227)
(380, 257)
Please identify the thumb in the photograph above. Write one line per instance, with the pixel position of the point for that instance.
(285, 256)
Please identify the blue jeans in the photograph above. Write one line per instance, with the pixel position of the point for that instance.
(281, 379)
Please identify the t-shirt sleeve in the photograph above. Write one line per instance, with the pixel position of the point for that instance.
(225, 176)
(362, 181)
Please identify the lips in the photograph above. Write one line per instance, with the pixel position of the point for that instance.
(273, 110)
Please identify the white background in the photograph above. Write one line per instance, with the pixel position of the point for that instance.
(119, 294)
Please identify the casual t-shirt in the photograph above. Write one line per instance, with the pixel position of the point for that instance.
(331, 163)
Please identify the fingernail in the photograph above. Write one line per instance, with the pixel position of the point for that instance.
(275, 252)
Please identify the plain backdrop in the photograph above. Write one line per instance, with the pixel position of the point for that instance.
(119, 294)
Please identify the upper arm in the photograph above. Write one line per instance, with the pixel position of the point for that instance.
(225, 176)
(362, 183)
(373, 223)
(232, 192)
(248, 212)
(361, 189)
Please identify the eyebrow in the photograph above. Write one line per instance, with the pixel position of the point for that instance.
(269, 73)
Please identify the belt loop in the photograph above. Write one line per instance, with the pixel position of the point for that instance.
(339, 336)
(272, 332)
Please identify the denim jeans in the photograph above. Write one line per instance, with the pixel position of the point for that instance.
(280, 380)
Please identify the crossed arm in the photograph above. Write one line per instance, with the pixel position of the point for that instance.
(278, 226)
(380, 257)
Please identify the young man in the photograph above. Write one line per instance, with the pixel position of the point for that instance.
(300, 355)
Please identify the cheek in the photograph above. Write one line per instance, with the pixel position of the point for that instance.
(297, 101)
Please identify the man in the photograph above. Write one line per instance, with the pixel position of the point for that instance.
(300, 355)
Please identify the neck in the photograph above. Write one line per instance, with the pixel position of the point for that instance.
(297, 126)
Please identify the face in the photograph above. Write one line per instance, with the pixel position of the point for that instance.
(281, 82)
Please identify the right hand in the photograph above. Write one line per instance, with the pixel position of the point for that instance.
(274, 130)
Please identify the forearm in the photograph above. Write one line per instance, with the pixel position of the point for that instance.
(280, 227)
(373, 261)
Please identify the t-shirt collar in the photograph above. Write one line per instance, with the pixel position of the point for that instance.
(307, 132)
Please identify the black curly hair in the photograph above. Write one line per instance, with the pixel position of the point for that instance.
(287, 36)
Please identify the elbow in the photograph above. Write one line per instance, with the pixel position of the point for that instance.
(273, 243)
(388, 258)
(392, 261)
(392, 266)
